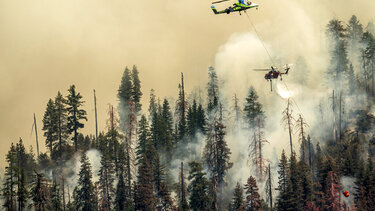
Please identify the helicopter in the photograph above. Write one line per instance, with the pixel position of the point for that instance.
(241, 5)
(274, 73)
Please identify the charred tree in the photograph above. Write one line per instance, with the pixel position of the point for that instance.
(301, 124)
(96, 117)
(269, 186)
(183, 205)
(288, 121)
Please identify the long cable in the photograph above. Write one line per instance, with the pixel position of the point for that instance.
(261, 40)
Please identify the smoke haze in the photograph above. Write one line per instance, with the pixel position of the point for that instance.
(48, 45)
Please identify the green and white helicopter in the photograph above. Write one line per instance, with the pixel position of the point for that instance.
(239, 6)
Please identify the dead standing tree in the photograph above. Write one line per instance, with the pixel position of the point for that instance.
(288, 122)
(269, 186)
(300, 128)
(261, 160)
(256, 152)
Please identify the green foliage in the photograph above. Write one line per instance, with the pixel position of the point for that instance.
(143, 138)
(198, 188)
(282, 200)
(339, 61)
(253, 109)
(56, 201)
(50, 126)
(136, 89)
(217, 154)
(40, 192)
(196, 120)
(125, 90)
(105, 183)
(144, 194)
(252, 201)
(75, 113)
(165, 197)
(85, 197)
(354, 29)
(212, 91)
(238, 198)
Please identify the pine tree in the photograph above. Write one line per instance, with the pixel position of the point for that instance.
(10, 180)
(50, 126)
(167, 130)
(306, 183)
(124, 94)
(318, 176)
(165, 196)
(201, 119)
(105, 183)
(253, 201)
(136, 89)
(253, 109)
(212, 92)
(282, 203)
(22, 191)
(143, 138)
(25, 165)
(125, 90)
(62, 129)
(196, 120)
(40, 192)
(85, 190)
(181, 111)
(122, 200)
(181, 191)
(339, 61)
(198, 188)
(145, 198)
(75, 113)
(156, 130)
(158, 170)
(238, 199)
(217, 155)
(294, 185)
(191, 121)
(354, 29)
(152, 105)
(368, 53)
(56, 203)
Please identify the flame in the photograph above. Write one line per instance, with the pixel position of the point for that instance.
(283, 91)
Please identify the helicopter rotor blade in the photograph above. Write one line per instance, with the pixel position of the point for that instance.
(216, 2)
(262, 69)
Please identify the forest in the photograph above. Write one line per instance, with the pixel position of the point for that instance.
(174, 154)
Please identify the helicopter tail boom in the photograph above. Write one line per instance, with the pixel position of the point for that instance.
(214, 9)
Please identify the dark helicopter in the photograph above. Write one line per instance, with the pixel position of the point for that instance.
(274, 73)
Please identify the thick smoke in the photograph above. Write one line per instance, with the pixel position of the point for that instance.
(347, 184)
(243, 52)
(72, 167)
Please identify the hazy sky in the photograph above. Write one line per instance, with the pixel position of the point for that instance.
(47, 45)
